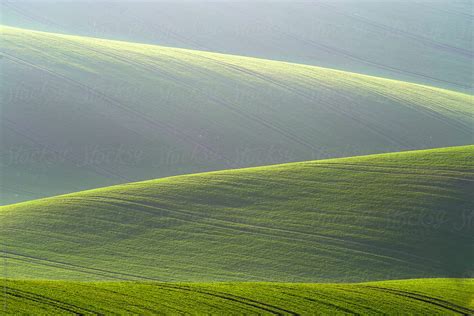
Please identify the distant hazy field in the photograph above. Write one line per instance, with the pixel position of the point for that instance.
(422, 41)
(81, 113)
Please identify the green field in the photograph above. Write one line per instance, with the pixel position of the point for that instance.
(422, 41)
(354, 219)
(407, 297)
(82, 113)
(236, 157)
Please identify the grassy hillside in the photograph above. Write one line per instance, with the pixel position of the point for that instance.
(421, 41)
(414, 297)
(79, 113)
(389, 216)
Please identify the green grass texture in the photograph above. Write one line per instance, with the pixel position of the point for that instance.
(367, 218)
(80, 113)
(406, 297)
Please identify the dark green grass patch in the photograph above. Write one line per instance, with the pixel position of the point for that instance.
(420, 297)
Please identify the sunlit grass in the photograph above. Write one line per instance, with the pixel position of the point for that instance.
(389, 216)
(414, 297)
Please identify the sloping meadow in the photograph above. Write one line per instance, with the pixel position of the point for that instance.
(390, 216)
(81, 113)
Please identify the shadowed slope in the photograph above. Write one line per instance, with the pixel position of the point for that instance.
(80, 113)
(351, 219)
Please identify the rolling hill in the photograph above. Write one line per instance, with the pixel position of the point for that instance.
(420, 297)
(81, 113)
(422, 41)
(367, 218)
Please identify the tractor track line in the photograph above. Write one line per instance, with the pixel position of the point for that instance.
(424, 298)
